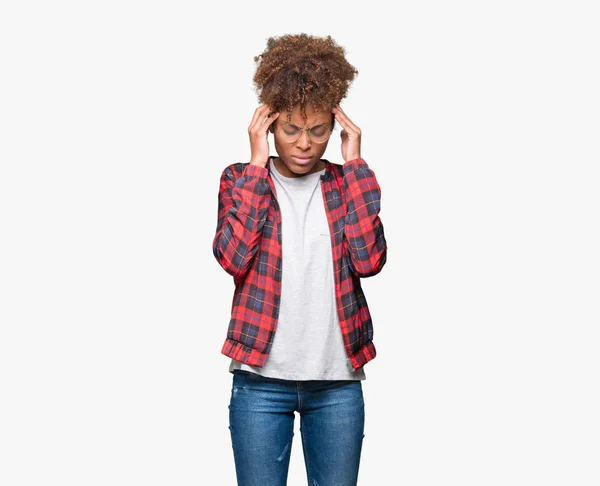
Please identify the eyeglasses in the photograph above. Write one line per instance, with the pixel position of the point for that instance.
(290, 133)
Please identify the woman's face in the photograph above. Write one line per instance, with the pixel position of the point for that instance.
(309, 151)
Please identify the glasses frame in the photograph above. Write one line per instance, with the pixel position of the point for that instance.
(307, 130)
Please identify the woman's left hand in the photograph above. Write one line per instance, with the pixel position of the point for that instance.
(350, 135)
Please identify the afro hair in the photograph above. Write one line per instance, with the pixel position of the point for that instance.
(302, 69)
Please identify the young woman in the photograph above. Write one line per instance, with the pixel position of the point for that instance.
(297, 233)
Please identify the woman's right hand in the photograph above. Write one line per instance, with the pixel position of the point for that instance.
(259, 145)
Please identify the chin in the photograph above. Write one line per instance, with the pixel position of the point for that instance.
(300, 168)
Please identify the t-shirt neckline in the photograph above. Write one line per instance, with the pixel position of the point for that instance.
(319, 173)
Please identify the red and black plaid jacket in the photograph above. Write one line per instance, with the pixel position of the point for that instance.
(247, 245)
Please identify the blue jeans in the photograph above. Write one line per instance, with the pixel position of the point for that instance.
(261, 423)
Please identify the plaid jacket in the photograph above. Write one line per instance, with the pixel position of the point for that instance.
(247, 245)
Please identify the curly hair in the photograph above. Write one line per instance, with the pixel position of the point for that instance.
(302, 69)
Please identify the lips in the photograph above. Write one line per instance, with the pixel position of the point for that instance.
(301, 159)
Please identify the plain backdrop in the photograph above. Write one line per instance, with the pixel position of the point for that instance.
(480, 120)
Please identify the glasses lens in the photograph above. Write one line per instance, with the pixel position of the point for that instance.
(290, 133)
(319, 133)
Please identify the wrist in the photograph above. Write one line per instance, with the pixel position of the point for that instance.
(259, 163)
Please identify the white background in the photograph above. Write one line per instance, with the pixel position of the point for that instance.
(481, 122)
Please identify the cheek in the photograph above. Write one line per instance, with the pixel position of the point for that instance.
(280, 147)
(323, 147)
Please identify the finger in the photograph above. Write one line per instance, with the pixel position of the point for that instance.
(261, 127)
(341, 116)
(269, 119)
(346, 125)
(337, 109)
(259, 113)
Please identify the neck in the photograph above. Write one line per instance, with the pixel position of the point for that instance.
(283, 169)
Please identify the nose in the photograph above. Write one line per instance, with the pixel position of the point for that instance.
(304, 141)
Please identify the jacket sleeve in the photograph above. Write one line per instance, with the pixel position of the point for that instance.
(363, 238)
(242, 211)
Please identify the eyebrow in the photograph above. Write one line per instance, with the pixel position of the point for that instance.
(315, 125)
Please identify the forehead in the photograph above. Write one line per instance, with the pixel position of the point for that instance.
(312, 118)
